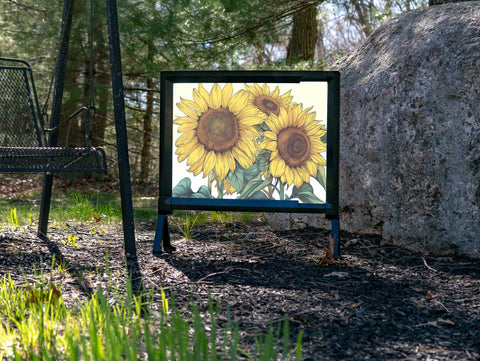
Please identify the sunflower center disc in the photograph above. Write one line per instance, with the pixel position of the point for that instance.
(218, 130)
(293, 146)
(267, 104)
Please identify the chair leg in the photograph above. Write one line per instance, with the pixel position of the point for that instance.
(336, 236)
(162, 237)
(45, 205)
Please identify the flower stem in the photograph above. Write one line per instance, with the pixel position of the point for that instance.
(282, 191)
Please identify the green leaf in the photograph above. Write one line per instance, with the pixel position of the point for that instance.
(263, 158)
(258, 195)
(305, 194)
(254, 186)
(259, 166)
(251, 173)
(203, 192)
(236, 179)
(183, 189)
(321, 176)
(323, 138)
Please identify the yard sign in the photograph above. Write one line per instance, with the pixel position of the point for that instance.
(263, 141)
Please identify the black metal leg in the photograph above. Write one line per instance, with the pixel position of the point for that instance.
(162, 237)
(45, 205)
(121, 129)
(336, 237)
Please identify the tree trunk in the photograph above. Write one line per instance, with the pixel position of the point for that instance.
(101, 80)
(304, 36)
(146, 155)
(70, 133)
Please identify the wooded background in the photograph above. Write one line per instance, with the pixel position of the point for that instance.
(159, 35)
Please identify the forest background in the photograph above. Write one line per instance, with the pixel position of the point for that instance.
(160, 35)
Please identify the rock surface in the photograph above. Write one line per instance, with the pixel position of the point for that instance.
(410, 131)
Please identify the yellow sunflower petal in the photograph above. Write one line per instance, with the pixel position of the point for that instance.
(181, 120)
(185, 138)
(188, 147)
(280, 167)
(310, 117)
(209, 163)
(305, 174)
(297, 179)
(184, 108)
(286, 98)
(272, 123)
(216, 96)
(270, 145)
(289, 175)
(318, 159)
(197, 167)
(266, 89)
(275, 92)
(203, 93)
(282, 119)
(196, 154)
(245, 161)
(192, 105)
(249, 131)
(270, 135)
(187, 126)
(316, 132)
(299, 121)
(250, 111)
(238, 102)
(226, 94)
(246, 145)
(311, 167)
(250, 120)
(273, 155)
(274, 168)
(317, 146)
(221, 167)
(202, 103)
(230, 161)
(251, 88)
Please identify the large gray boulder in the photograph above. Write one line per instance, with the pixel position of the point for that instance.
(410, 131)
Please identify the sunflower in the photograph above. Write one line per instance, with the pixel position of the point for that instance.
(294, 140)
(218, 131)
(266, 101)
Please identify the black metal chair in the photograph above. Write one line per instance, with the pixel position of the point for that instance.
(24, 133)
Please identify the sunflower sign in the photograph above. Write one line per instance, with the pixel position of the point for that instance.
(265, 141)
(248, 141)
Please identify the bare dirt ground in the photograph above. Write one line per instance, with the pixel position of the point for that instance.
(375, 303)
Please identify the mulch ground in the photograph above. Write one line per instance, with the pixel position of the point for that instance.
(375, 303)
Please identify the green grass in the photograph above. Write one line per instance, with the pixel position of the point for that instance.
(71, 209)
(36, 324)
(105, 208)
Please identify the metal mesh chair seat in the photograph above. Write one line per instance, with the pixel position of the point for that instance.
(52, 159)
(23, 134)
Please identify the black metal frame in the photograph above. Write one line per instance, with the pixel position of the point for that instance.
(167, 203)
(120, 122)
